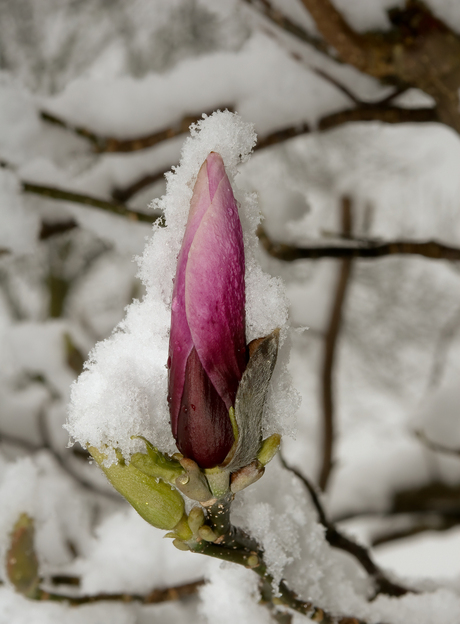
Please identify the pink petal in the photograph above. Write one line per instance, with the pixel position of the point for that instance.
(180, 341)
(214, 288)
(204, 431)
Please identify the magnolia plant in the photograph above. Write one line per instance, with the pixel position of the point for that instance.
(216, 389)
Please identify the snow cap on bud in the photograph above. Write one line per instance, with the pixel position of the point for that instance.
(207, 348)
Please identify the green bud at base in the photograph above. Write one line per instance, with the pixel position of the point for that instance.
(269, 449)
(156, 464)
(21, 560)
(157, 502)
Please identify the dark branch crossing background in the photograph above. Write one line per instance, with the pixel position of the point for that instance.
(356, 108)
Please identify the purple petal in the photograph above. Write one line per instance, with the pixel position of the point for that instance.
(204, 429)
(214, 287)
(180, 341)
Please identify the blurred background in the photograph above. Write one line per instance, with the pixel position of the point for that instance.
(357, 176)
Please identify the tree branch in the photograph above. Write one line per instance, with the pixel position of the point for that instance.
(330, 343)
(156, 596)
(362, 113)
(275, 16)
(102, 144)
(385, 114)
(124, 194)
(420, 524)
(338, 540)
(370, 55)
(87, 200)
(365, 249)
(434, 446)
(286, 596)
(49, 229)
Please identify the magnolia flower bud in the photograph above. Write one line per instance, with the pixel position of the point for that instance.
(207, 349)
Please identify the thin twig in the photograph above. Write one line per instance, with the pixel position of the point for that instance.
(341, 541)
(330, 343)
(370, 54)
(363, 113)
(338, 85)
(435, 446)
(49, 229)
(6, 438)
(87, 200)
(178, 592)
(65, 465)
(124, 194)
(431, 498)
(102, 144)
(389, 98)
(285, 596)
(365, 249)
(427, 522)
(377, 112)
(275, 16)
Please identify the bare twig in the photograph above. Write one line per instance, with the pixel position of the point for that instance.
(65, 465)
(419, 524)
(178, 592)
(421, 51)
(330, 343)
(87, 200)
(383, 113)
(339, 540)
(6, 438)
(103, 144)
(275, 16)
(369, 54)
(338, 85)
(54, 228)
(362, 113)
(434, 446)
(365, 249)
(124, 194)
(431, 498)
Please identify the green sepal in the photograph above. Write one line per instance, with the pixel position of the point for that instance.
(156, 464)
(250, 402)
(182, 529)
(157, 502)
(269, 448)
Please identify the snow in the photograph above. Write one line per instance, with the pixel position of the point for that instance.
(128, 555)
(21, 225)
(123, 391)
(429, 555)
(36, 486)
(398, 357)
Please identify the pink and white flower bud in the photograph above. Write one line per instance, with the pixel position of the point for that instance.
(207, 349)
